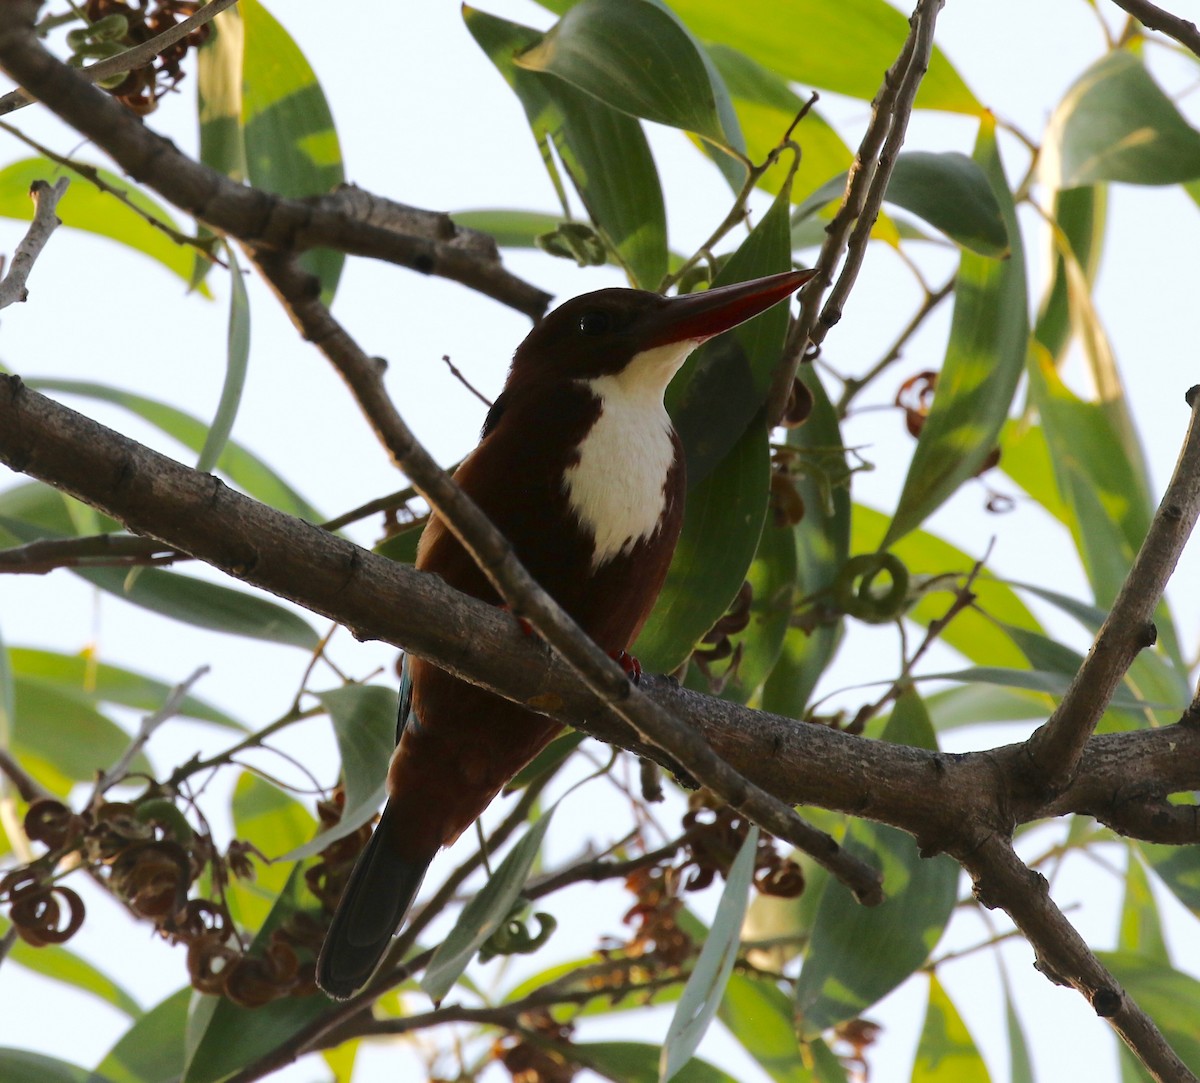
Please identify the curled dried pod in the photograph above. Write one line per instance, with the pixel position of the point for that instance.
(786, 503)
(46, 914)
(52, 823)
(799, 405)
(209, 961)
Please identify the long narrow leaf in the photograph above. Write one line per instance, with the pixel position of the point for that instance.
(237, 360)
(706, 986)
(984, 360)
(484, 914)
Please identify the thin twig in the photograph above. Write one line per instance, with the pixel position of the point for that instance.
(1150, 15)
(866, 184)
(1056, 746)
(853, 385)
(45, 221)
(170, 708)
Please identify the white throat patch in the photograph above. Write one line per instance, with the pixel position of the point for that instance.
(616, 487)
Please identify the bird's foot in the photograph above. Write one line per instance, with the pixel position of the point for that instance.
(525, 626)
(631, 666)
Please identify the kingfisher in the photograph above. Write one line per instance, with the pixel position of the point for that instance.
(580, 469)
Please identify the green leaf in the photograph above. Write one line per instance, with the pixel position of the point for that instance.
(1020, 1065)
(59, 963)
(766, 108)
(984, 360)
(952, 192)
(219, 96)
(759, 1015)
(59, 739)
(1116, 124)
(242, 467)
(1037, 680)
(1043, 652)
(985, 705)
(706, 986)
(7, 702)
(772, 577)
(223, 1036)
(604, 152)
(636, 1062)
(192, 601)
(22, 1066)
(484, 914)
(857, 954)
(151, 1051)
(946, 1052)
(237, 362)
(949, 191)
(364, 724)
(275, 822)
(1179, 868)
(1140, 931)
(510, 228)
(845, 47)
(634, 56)
(722, 523)
(89, 681)
(219, 108)
(1108, 503)
(88, 208)
(291, 144)
(1080, 215)
(1170, 998)
(822, 546)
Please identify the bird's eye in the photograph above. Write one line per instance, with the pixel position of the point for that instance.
(594, 322)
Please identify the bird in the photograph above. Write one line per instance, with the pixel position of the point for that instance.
(579, 467)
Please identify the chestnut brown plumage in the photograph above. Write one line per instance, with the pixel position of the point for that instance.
(580, 469)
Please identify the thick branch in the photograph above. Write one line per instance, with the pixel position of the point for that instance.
(1056, 747)
(1002, 880)
(935, 797)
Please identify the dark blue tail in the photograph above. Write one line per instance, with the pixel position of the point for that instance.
(380, 891)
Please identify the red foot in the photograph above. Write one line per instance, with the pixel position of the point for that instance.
(522, 623)
(631, 666)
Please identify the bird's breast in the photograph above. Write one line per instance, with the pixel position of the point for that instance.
(616, 485)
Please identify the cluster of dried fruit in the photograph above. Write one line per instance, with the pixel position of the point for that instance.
(150, 857)
(117, 25)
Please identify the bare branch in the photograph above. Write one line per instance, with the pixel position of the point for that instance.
(1003, 880)
(866, 184)
(254, 217)
(1056, 747)
(1150, 15)
(45, 221)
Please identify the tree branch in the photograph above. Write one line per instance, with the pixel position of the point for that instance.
(1003, 880)
(1150, 15)
(252, 216)
(45, 221)
(866, 183)
(1056, 747)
